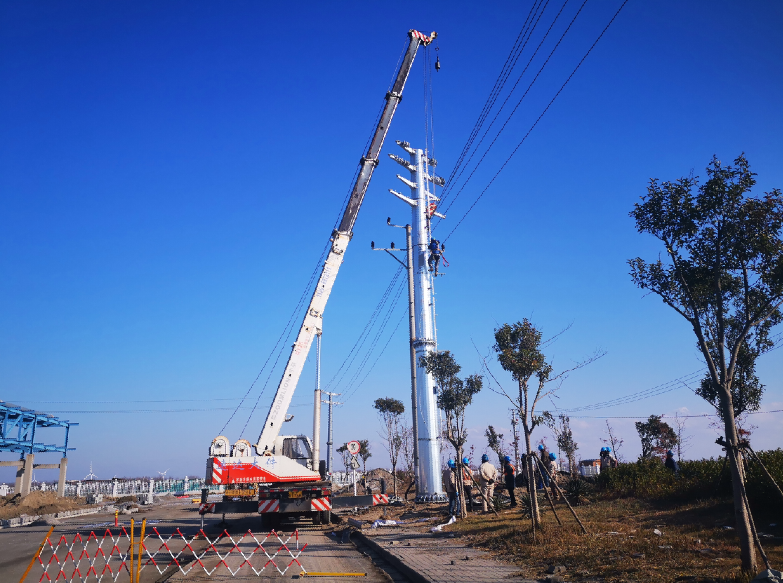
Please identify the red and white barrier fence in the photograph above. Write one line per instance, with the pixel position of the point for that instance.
(111, 556)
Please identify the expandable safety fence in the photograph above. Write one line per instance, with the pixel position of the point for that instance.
(122, 555)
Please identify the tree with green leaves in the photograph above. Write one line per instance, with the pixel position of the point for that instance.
(519, 349)
(454, 396)
(390, 411)
(495, 443)
(723, 273)
(657, 437)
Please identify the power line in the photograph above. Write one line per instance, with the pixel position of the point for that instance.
(537, 120)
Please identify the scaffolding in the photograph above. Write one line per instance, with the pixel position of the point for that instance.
(18, 428)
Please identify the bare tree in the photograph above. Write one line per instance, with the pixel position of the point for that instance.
(519, 351)
(561, 427)
(390, 411)
(454, 396)
(495, 443)
(683, 441)
(613, 441)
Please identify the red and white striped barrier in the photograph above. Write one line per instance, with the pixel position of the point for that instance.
(320, 504)
(265, 506)
(206, 508)
(380, 499)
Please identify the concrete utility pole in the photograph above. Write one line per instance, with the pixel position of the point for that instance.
(317, 404)
(412, 333)
(430, 485)
(330, 438)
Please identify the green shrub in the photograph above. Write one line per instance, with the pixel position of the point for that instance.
(706, 478)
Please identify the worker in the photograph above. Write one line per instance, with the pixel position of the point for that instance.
(434, 257)
(508, 477)
(544, 460)
(671, 463)
(551, 467)
(487, 476)
(467, 483)
(607, 459)
(521, 479)
(450, 486)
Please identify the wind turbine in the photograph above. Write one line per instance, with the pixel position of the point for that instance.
(90, 476)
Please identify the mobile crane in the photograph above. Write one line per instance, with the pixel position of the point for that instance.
(281, 477)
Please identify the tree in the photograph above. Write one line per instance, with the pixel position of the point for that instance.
(724, 274)
(657, 436)
(407, 448)
(495, 443)
(519, 351)
(364, 452)
(343, 450)
(390, 411)
(454, 396)
(613, 441)
(683, 440)
(565, 439)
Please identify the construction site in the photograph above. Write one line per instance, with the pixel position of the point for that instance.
(484, 398)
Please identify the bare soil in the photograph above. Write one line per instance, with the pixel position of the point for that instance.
(37, 503)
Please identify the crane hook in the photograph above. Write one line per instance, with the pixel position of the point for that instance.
(437, 62)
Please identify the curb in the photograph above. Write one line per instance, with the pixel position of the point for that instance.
(26, 520)
(393, 560)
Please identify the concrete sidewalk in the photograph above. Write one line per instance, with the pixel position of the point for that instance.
(438, 558)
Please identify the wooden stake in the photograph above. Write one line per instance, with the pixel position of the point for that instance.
(549, 499)
(565, 499)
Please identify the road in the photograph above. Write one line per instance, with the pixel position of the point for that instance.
(176, 523)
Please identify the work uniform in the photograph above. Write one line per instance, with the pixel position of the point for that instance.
(608, 461)
(544, 477)
(487, 476)
(467, 485)
(552, 468)
(508, 477)
(450, 486)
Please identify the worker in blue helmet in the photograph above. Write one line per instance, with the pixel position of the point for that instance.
(671, 463)
(554, 471)
(450, 486)
(487, 474)
(467, 483)
(608, 460)
(543, 482)
(509, 475)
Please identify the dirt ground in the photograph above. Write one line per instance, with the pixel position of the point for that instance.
(696, 542)
(37, 502)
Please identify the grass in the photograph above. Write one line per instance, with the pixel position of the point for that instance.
(621, 544)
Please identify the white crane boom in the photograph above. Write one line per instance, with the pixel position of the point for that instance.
(340, 239)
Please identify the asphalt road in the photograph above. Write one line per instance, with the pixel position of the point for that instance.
(175, 524)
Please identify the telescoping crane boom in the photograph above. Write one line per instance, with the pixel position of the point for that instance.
(286, 459)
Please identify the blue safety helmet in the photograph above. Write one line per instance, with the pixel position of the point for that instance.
(670, 452)
(507, 459)
(540, 447)
(451, 463)
(552, 456)
(484, 458)
(608, 450)
(465, 461)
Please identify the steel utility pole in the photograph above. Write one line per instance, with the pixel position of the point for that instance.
(408, 265)
(422, 206)
(330, 438)
(516, 438)
(317, 404)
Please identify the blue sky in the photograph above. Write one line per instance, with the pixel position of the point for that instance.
(169, 174)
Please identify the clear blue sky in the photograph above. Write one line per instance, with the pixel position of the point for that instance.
(169, 174)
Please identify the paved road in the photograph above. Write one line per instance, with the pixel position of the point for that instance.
(322, 554)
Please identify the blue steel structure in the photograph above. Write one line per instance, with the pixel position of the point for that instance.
(18, 426)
